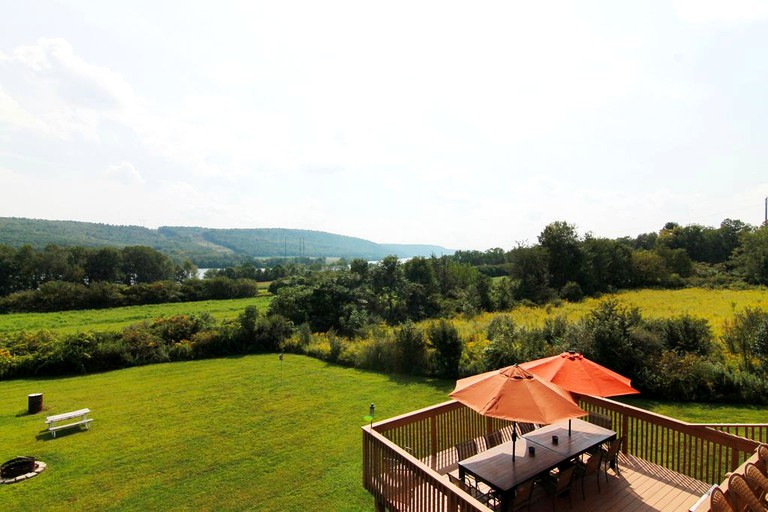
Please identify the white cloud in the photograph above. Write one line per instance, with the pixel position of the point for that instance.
(14, 117)
(126, 173)
(722, 11)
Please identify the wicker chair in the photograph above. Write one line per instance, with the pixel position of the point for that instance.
(591, 467)
(602, 420)
(762, 458)
(611, 456)
(466, 449)
(488, 499)
(492, 439)
(559, 485)
(742, 497)
(718, 502)
(757, 480)
(523, 493)
(525, 428)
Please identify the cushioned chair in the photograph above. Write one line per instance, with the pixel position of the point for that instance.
(718, 502)
(590, 467)
(492, 439)
(742, 497)
(757, 480)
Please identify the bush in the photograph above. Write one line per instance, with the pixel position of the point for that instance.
(572, 292)
(688, 334)
(410, 349)
(448, 347)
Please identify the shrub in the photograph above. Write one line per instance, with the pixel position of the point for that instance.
(448, 347)
(410, 349)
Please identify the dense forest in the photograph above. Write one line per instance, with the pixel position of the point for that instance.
(205, 247)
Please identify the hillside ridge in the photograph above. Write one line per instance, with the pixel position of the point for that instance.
(206, 246)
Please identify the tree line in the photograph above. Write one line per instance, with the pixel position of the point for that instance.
(64, 278)
(564, 264)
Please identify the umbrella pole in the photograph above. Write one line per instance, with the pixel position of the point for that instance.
(514, 438)
(569, 427)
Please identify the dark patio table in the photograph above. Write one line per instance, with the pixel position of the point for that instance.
(495, 466)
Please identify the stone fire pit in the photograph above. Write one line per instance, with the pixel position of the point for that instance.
(20, 468)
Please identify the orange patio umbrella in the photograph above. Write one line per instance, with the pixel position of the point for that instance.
(512, 393)
(574, 372)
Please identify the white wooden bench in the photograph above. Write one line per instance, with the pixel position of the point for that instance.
(83, 420)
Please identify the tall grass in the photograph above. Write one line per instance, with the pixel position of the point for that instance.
(715, 306)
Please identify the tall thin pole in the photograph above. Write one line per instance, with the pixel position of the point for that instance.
(766, 211)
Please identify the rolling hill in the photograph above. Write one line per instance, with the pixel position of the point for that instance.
(206, 247)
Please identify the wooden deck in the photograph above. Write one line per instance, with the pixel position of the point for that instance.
(641, 486)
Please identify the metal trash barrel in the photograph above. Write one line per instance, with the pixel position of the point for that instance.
(35, 403)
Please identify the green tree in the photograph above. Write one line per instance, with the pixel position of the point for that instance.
(104, 264)
(750, 260)
(145, 265)
(564, 253)
(530, 270)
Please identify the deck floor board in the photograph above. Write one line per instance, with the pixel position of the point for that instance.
(640, 487)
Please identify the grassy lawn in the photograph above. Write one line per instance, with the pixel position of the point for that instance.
(703, 413)
(223, 434)
(117, 318)
(242, 433)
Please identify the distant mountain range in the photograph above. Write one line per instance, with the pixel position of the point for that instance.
(205, 246)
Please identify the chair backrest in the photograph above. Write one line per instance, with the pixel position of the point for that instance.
(564, 479)
(525, 428)
(718, 502)
(613, 450)
(593, 464)
(466, 449)
(756, 479)
(523, 492)
(493, 439)
(762, 456)
(461, 484)
(602, 420)
(742, 497)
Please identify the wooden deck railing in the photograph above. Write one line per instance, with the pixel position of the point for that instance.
(700, 451)
(399, 481)
(408, 455)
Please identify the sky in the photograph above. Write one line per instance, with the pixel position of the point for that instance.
(470, 125)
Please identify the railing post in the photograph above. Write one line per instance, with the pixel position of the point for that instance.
(433, 437)
(625, 432)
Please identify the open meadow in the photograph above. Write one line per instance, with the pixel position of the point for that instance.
(713, 305)
(116, 318)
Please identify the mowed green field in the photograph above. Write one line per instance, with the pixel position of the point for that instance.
(117, 318)
(243, 433)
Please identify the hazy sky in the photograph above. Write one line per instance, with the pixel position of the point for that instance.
(465, 124)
